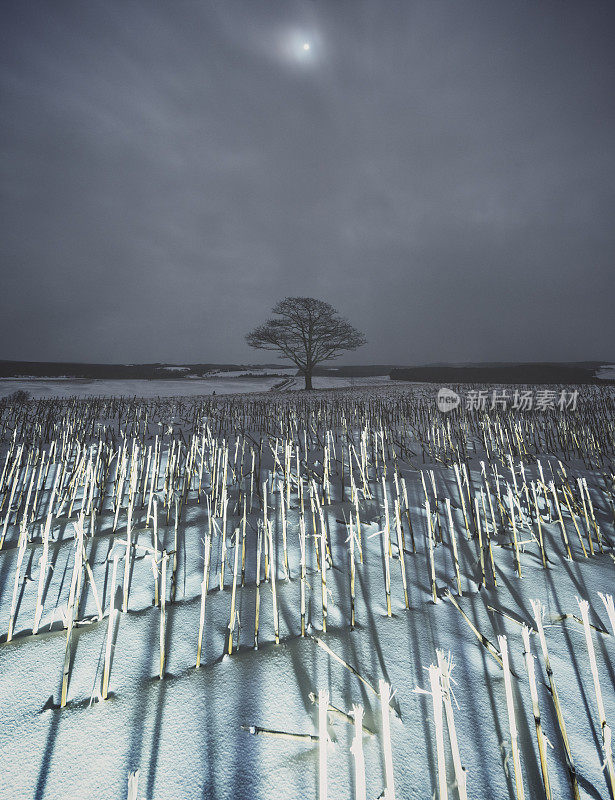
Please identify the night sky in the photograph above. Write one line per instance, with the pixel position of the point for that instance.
(441, 172)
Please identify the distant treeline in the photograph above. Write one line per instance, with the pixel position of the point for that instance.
(52, 369)
(550, 373)
(355, 371)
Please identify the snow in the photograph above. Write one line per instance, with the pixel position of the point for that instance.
(183, 732)
(222, 383)
(606, 371)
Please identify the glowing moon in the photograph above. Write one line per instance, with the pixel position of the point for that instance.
(302, 47)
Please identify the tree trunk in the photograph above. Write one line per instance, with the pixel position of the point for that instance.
(308, 380)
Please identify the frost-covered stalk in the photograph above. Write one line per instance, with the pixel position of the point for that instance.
(201, 464)
(90, 575)
(525, 490)
(489, 548)
(484, 471)
(436, 696)
(454, 543)
(352, 570)
(460, 771)
(541, 542)
(385, 699)
(512, 723)
(341, 661)
(358, 519)
(323, 576)
(314, 530)
(152, 485)
(73, 600)
(432, 566)
(23, 540)
(398, 520)
(120, 489)
(604, 727)
(39, 486)
(204, 589)
(163, 612)
(252, 478)
(574, 522)
(400, 549)
(244, 522)
(410, 528)
(325, 475)
(302, 546)
(481, 637)
(542, 750)
(7, 460)
(587, 525)
(12, 495)
(558, 511)
(514, 528)
(537, 609)
(175, 553)
(155, 557)
(43, 567)
(109, 642)
(283, 510)
(610, 608)
(133, 785)
(481, 552)
(258, 582)
(265, 520)
(462, 498)
(128, 549)
(29, 493)
(231, 622)
(387, 549)
(357, 751)
(435, 499)
(543, 486)
(223, 557)
(276, 620)
(145, 475)
(593, 516)
(323, 741)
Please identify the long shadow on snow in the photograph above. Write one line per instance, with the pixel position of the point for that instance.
(488, 677)
(573, 661)
(523, 726)
(161, 694)
(584, 593)
(417, 637)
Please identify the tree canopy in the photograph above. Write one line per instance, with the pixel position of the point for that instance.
(307, 332)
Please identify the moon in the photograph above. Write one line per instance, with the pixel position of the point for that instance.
(299, 47)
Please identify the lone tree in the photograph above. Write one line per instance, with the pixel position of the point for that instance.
(307, 332)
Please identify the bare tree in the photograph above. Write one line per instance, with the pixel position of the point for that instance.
(307, 332)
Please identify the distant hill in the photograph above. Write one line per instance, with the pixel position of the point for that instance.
(548, 372)
(355, 371)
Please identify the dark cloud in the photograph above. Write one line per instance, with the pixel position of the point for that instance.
(443, 172)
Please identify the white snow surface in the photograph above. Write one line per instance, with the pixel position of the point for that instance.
(183, 732)
(220, 383)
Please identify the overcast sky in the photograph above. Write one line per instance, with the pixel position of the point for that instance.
(441, 172)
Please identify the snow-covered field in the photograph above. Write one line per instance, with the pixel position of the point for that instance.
(343, 478)
(223, 383)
